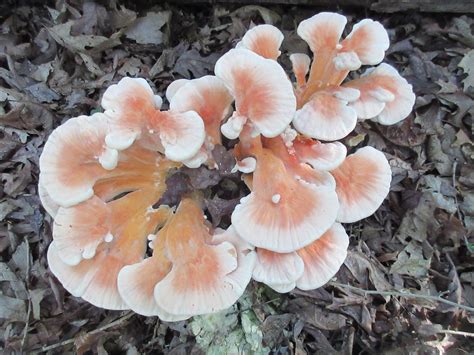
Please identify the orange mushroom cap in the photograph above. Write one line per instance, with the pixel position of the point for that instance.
(385, 96)
(202, 278)
(281, 213)
(211, 100)
(327, 116)
(323, 258)
(278, 270)
(134, 112)
(71, 159)
(362, 183)
(95, 279)
(263, 94)
(322, 156)
(265, 40)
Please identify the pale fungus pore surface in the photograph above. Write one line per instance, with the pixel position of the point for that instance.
(103, 177)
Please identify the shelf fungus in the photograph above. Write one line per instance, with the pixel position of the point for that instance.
(118, 244)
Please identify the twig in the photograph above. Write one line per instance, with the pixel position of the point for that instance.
(456, 332)
(403, 294)
(95, 331)
(27, 284)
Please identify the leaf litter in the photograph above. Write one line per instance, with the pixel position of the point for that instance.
(55, 63)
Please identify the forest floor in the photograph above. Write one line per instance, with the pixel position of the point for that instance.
(56, 62)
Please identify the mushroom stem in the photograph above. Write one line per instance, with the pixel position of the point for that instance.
(248, 144)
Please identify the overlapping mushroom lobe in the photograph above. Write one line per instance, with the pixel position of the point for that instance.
(265, 40)
(362, 183)
(202, 278)
(281, 213)
(134, 112)
(263, 94)
(70, 163)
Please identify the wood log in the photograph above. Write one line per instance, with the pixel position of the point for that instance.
(384, 6)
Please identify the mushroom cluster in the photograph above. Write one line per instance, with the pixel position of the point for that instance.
(102, 175)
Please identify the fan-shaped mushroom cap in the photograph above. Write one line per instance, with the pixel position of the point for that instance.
(246, 255)
(174, 86)
(200, 280)
(95, 279)
(368, 40)
(322, 156)
(278, 270)
(323, 258)
(327, 115)
(323, 31)
(300, 63)
(129, 104)
(282, 214)
(300, 171)
(133, 112)
(384, 95)
(70, 162)
(136, 284)
(209, 98)
(362, 183)
(181, 134)
(49, 205)
(263, 94)
(265, 40)
(80, 229)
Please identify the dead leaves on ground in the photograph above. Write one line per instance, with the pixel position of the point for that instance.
(55, 62)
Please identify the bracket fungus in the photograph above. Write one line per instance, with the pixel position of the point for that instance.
(103, 175)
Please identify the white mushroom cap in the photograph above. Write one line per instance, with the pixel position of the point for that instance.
(181, 134)
(136, 284)
(49, 205)
(278, 270)
(327, 115)
(368, 40)
(94, 280)
(362, 183)
(174, 86)
(321, 156)
(246, 255)
(323, 258)
(262, 91)
(384, 95)
(246, 165)
(265, 40)
(80, 229)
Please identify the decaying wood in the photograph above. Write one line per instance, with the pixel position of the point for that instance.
(386, 6)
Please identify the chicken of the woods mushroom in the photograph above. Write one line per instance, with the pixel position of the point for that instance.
(102, 175)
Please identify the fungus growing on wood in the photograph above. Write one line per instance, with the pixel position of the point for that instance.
(103, 177)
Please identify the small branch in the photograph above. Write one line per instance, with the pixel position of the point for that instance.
(27, 284)
(95, 331)
(456, 332)
(403, 294)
